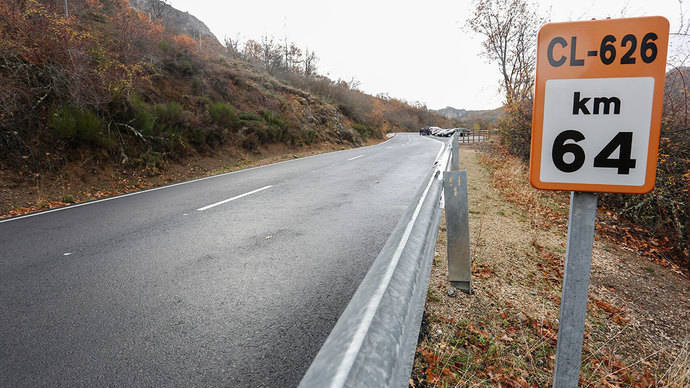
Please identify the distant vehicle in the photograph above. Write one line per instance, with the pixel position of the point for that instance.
(425, 131)
(446, 132)
(435, 130)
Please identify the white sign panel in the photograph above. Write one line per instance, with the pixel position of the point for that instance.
(596, 130)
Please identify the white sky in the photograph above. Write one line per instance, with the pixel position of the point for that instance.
(414, 50)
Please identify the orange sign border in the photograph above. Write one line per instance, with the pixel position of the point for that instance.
(589, 35)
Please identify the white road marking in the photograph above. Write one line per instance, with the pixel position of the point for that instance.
(356, 157)
(175, 184)
(67, 254)
(358, 339)
(233, 198)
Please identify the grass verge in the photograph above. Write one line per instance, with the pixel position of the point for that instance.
(638, 318)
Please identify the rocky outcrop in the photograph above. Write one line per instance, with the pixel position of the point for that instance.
(175, 20)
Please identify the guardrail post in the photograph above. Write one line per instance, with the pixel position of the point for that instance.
(458, 230)
(454, 160)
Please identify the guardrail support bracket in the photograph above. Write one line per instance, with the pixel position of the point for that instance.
(458, 230)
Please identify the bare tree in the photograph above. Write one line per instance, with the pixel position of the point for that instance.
(157, 8)
(271, 56)
(252, 51)
(354, 83)
(310, 61)
(232, 47)
(293, 57)
(509, 28)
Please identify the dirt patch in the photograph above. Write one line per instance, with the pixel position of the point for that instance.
(638, 319)
(85, 181)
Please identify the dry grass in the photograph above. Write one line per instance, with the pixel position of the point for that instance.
(505, 333)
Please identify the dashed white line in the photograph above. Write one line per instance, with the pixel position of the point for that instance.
(356, 157)
(67, 254)
(59, 209)
(234, 198)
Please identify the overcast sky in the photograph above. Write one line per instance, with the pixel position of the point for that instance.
(414, 50)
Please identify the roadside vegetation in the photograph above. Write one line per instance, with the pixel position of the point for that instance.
(504, 334)
(100, 88)
(637, 327)
(662, 216)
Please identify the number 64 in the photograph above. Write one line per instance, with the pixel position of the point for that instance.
(623, 163)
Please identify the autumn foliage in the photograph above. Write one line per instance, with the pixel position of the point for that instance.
(52, 65)
(106, 83)
(665, 212)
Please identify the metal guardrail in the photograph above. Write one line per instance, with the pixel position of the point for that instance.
(374, 341)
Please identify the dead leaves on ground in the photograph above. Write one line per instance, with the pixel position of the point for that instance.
(616, 313)
(658, 249)
(509, 176)
(507, 332)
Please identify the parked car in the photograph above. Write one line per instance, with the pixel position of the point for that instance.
(446, 132)
(435, 130)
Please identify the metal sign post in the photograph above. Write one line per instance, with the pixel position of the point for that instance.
(595, 128)
(578, 259)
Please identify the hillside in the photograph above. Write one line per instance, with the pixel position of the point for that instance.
(113, 90)
(452, 113)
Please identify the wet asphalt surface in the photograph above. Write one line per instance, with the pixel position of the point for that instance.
(148, 291)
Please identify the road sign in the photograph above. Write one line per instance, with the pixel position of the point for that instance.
(595, 127)
(598, 104)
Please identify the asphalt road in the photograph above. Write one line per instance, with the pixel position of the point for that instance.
(234, 280)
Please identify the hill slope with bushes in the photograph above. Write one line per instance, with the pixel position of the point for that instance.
(135, 88)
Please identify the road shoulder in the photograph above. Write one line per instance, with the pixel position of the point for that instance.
(505, 333)
(78, 184)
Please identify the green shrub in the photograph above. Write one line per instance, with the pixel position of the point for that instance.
(197, 137)
(515, 129)
(152, 159)
(363, 130)
(63, 122)
(78, 126)
(186, 67)
(273, 120)
(165, 46)
(309, 137)
(197, 86)
(251, 142)
(264, 134)
(223, 114)
(249, 116)
(170, 116)
(176, 145)
(144, 118)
